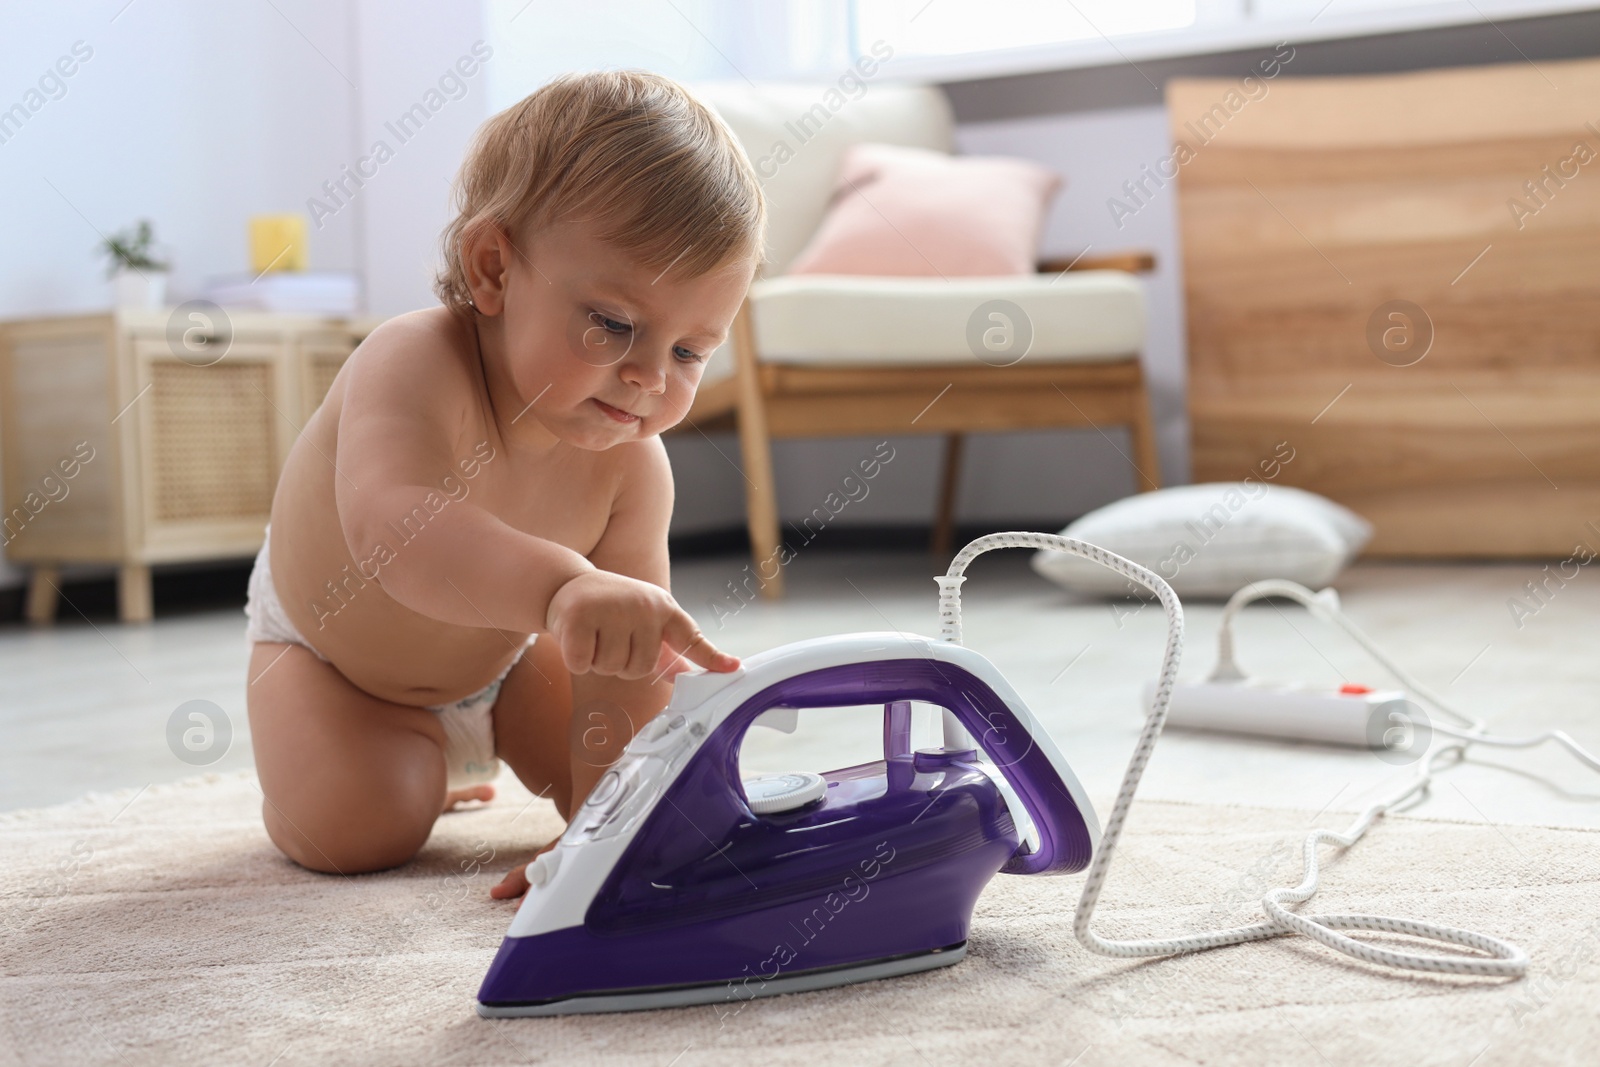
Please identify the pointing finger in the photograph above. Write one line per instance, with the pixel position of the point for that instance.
(687, 640)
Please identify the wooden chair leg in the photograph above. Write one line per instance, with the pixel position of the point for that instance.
(42, 594)
(133, 593)
(761, 492)
(1146, 460)
(761, 507)
(949, 485)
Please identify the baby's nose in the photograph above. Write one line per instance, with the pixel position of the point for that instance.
(645, 371)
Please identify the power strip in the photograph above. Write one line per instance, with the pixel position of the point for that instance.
(1353, 715)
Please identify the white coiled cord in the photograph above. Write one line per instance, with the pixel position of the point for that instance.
(1503, 958)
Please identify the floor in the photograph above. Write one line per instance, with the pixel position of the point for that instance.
(93, 705)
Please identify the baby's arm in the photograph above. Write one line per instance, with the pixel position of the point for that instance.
(608, 710)
(406, 403)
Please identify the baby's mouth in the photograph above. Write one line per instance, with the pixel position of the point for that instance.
(615, 413)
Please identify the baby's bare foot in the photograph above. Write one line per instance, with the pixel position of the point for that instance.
(472, 792)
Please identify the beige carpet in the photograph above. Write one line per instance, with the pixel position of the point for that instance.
(163, 928)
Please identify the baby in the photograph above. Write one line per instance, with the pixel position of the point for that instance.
(490, 472)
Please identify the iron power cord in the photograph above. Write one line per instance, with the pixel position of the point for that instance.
(1500, 958)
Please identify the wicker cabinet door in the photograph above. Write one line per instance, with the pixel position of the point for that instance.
(211, 439)
(60, 499)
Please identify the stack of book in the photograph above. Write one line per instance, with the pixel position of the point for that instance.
(307, 292)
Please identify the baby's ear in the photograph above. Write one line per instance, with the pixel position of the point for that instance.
(486, 257)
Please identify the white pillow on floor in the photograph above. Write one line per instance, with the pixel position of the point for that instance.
(1209, 540)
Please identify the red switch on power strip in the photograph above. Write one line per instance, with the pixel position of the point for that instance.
(1353, 689)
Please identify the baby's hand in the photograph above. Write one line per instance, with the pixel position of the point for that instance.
(611, 624)
(515, 883)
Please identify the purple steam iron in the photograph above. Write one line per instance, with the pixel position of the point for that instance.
(680, 883)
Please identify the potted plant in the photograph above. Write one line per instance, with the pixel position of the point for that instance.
(139, 280)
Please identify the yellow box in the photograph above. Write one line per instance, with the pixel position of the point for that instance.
(277, 242)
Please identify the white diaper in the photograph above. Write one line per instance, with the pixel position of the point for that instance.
(468, 723)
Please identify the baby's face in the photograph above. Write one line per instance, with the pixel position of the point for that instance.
(613, 350)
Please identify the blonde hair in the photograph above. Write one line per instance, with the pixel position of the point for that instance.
(659, 171)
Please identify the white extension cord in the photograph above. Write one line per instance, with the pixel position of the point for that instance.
(1502, 959)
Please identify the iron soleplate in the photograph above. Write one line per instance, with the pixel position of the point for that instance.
(721, 992)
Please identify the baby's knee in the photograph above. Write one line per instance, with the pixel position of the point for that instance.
(345, 835)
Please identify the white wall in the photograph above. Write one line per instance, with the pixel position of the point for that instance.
(404, 50)
(191, 114)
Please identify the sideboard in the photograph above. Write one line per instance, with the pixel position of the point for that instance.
(135, 438)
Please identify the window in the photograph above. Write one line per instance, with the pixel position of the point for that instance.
(951, 40)
(944, 28)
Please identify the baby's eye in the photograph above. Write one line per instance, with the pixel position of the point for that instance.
(688, 355)
(610, 325)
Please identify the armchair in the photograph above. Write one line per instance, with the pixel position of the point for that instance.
(834, 355)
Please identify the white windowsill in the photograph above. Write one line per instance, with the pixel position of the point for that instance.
(1215, 38)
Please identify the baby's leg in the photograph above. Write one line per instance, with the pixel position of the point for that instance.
(352, 783)
(532, 718)
(557, 751)
(560, 751)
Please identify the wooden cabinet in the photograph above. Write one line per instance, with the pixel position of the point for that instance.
(132, 440)
(1398, 277)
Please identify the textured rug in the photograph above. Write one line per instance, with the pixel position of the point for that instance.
(161, 927)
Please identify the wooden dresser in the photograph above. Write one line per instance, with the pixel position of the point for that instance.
(1400, 277)
(137, 438)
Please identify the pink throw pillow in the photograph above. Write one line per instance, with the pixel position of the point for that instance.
(913, 211)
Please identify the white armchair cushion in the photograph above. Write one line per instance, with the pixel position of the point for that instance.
(825, 318)
(797, 136)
